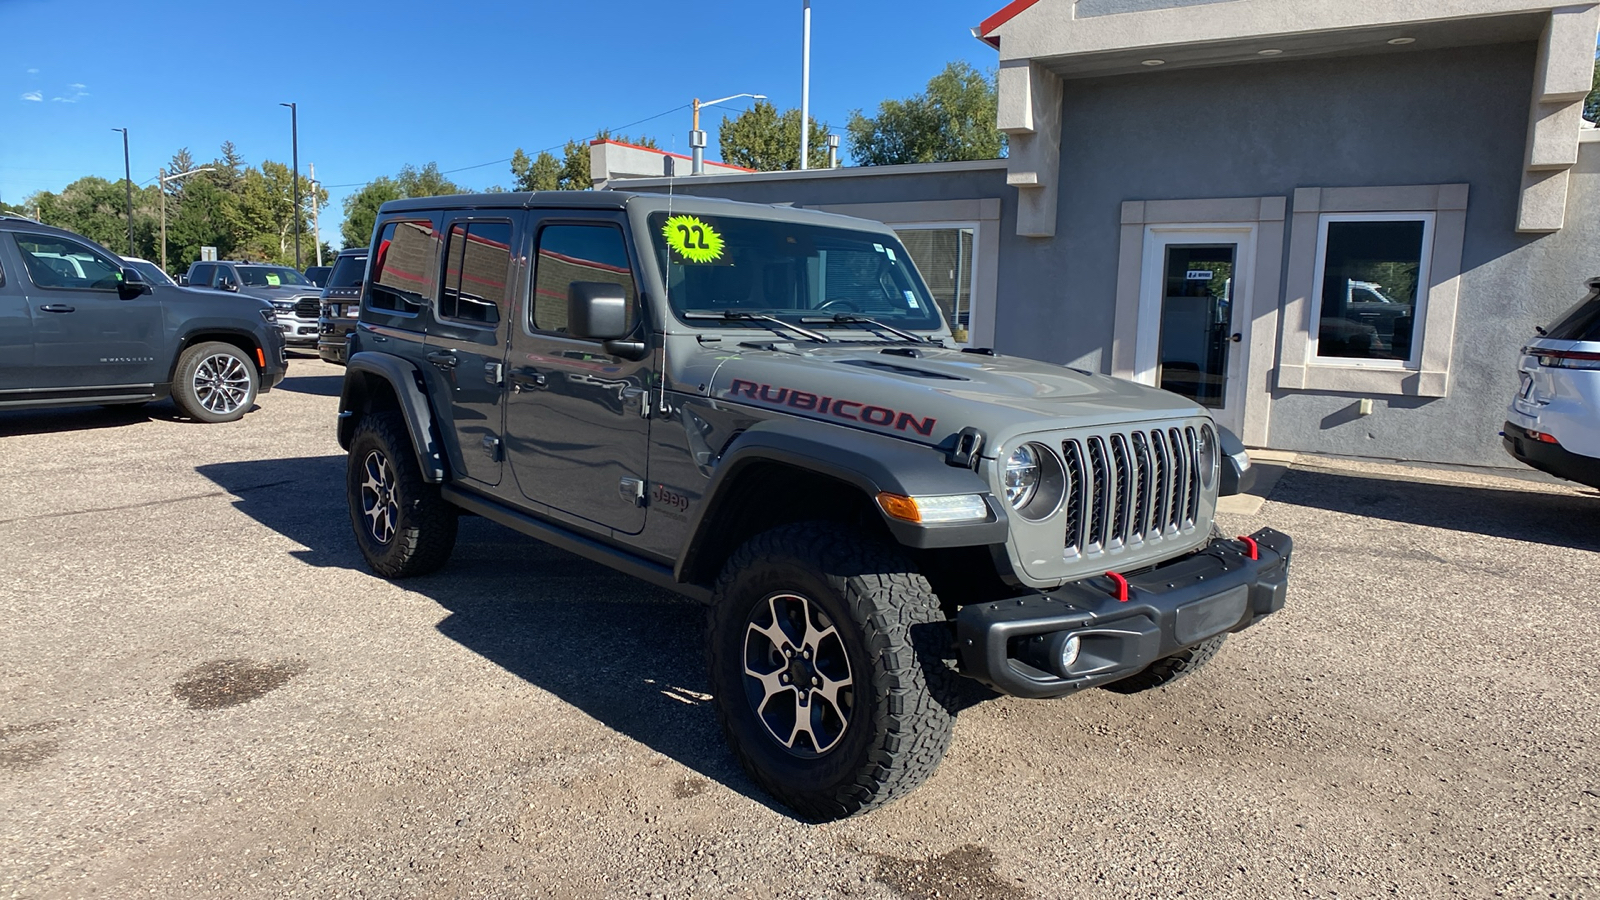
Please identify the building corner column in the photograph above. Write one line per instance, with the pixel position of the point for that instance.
(1030, 116)
(1563, 76)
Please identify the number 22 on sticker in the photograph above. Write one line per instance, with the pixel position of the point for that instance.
(693, 239)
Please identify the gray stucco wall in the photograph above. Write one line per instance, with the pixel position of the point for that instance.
(1087, 8)
(1438, 117)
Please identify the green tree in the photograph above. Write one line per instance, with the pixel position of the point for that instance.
(762, 139)
(361, 208)
(98, 210)
(954, 119)
(542, 173)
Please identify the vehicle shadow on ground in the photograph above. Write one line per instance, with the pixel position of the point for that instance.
(1540, 517)
(317, 385)
(622, 651)
(54, 420)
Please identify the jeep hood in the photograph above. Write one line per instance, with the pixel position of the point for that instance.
(926, 393)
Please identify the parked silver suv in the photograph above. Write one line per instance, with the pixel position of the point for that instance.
(1554, 422)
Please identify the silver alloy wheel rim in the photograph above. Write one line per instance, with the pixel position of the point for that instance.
(221, 383)
(377, 497)
(797, 675)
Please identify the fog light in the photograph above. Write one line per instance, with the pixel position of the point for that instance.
(1068, 654)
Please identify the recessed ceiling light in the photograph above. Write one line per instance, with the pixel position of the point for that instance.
(1154, 62)
(1402, 41)
(1269, 52)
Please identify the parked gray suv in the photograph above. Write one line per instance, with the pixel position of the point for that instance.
(80, 327)
(297, 301)
(762, 408)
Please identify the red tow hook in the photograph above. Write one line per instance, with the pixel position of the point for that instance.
(1121, 592)
(1255, 549)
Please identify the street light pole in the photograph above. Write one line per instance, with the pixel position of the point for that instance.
(805, 87)
(316, 227)
(161, 187)
(127, 178)
(294, 133)
(697, 138)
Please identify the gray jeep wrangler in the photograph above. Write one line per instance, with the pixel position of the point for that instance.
(762, 409)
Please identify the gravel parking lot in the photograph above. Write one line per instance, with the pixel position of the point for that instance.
(204, 693)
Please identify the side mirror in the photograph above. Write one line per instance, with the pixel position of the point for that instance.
(1237, 474)
(227, 284)
(183, 280)
(132, 284)
(597, 310)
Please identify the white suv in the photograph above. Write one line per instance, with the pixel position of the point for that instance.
(1554, 422)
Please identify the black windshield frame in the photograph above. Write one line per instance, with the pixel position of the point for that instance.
(783, 268)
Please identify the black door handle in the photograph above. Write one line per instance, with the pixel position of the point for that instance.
(1237, 337)
(444, 359)
(57, 307)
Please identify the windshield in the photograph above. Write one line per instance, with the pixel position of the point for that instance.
(788, 270)
(271, 276)
(347, 272)
(151, 272)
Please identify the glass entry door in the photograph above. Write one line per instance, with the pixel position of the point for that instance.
(1193, 318)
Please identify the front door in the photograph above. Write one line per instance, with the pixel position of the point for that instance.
(1194, 317)
(577, 425)
(465, 345)
(85, 335)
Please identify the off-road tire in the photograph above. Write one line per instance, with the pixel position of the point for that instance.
(211, 404)
(894, 636)
(423, 527)
(1169, 669)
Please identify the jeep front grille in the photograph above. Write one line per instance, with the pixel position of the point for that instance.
(1128, 487)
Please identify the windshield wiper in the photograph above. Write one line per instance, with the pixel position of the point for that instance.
(854, 319)
(733, 315)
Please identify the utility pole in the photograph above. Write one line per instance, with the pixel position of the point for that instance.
(127, 178)
(294, 136)
(805, 87)
(316, 229)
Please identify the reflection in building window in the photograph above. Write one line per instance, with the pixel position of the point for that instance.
(476, 262)
(405, 267)
(569, 253)
(1372, 274)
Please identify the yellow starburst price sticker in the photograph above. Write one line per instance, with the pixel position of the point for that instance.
(693, 239)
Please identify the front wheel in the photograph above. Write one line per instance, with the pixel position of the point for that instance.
(403, 526)
(825, 650)
(215, 382)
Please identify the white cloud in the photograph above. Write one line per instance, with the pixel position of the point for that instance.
(79, 87)
(35, 96)
(33, 71)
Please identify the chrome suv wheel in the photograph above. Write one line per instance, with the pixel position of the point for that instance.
(215, 382)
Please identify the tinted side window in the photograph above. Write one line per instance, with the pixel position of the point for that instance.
(201, 275)
(405, 267)
(54, 262)
(1580, 323)
(569, 253)
(224, 276)
(477, 260)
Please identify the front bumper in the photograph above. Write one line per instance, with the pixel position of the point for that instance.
(1552, 458)
(298, 331)
(1168, 608)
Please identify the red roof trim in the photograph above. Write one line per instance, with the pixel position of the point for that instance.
(665, 153)
(1010, 12)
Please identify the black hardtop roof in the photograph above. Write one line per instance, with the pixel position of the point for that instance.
(353, 251)
(617, 200)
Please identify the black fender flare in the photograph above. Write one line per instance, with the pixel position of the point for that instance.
(194, 327)
(403, 377)
(871, 463)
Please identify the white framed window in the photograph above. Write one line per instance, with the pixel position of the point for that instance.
(946, 255)
(1370, 293)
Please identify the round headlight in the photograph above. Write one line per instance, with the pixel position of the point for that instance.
(1208, 456)
(1022, 475)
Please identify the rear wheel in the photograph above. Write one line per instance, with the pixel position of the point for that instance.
(215, 382)
(825, 648)
(403, 526)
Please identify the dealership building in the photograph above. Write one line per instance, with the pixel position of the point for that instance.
(1334, 222)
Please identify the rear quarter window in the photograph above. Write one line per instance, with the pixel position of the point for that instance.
(404, 272)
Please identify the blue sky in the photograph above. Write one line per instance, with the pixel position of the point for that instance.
(454, 83)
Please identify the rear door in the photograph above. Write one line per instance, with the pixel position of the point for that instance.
(577, 426)
(85, 334)
(466, 340)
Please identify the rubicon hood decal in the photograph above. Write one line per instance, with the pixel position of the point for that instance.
(839, 408)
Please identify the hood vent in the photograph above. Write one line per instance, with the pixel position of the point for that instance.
(901, 370)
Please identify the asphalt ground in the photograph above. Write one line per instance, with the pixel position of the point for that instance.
(204, 693)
